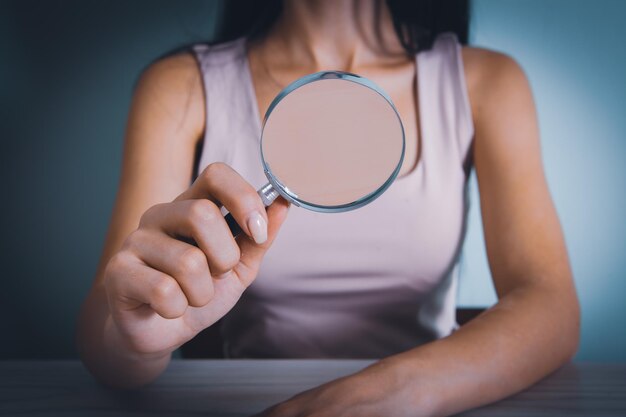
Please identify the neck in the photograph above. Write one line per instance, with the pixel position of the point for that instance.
(333, 34)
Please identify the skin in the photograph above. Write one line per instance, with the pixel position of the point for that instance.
(154, 291)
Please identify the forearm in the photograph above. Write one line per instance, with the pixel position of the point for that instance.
(527, 335)
(104, 352)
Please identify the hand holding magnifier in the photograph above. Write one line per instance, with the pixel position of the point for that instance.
(331, 142)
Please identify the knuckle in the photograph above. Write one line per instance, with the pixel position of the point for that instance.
(164, 290)
(213, 170)
(217, 166)
(133, 240)
(116, 272)
(192, 262)
(202, 212)
(116, 264)
(149, 215)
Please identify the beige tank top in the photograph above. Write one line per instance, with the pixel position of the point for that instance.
(366, 283)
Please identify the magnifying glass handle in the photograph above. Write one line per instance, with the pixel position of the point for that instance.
(267, 193)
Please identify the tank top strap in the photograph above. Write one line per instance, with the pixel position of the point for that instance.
(231, 126)
(445, 111)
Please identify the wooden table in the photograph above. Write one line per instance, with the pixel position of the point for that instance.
(233, 388)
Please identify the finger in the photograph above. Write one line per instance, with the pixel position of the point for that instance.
(224, 186)
(252, 253)
(131, 284)
(202, 221)
(186, 263)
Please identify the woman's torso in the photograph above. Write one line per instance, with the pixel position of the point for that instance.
(365, 283)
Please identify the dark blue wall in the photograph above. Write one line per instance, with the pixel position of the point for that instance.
(66, 74)
(67, 70)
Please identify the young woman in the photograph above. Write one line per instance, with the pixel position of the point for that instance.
(376, 282)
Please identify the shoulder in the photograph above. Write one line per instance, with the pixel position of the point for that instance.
(169, 91)
(492, 77)
(484, 67)
(172, 68)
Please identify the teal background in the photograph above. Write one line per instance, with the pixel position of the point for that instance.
(67, 69)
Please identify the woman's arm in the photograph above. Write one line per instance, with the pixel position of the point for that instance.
(155, 290)
(534, 327)
(165, 122)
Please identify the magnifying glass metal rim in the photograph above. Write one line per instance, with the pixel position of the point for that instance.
(270, 191)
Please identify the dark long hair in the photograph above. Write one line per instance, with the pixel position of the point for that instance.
(417, 22)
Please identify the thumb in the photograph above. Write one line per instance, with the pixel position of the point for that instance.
(251, 252)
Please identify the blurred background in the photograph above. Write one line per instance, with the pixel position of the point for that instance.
(67, 70)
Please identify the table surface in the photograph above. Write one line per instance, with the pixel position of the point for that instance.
(232, 388)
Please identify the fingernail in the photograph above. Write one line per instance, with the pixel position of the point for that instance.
(258, 227)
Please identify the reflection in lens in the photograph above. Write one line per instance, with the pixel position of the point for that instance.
(332, 142)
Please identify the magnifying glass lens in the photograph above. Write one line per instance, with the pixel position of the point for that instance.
(332, 142)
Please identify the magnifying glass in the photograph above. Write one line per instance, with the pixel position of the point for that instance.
(331, 141)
